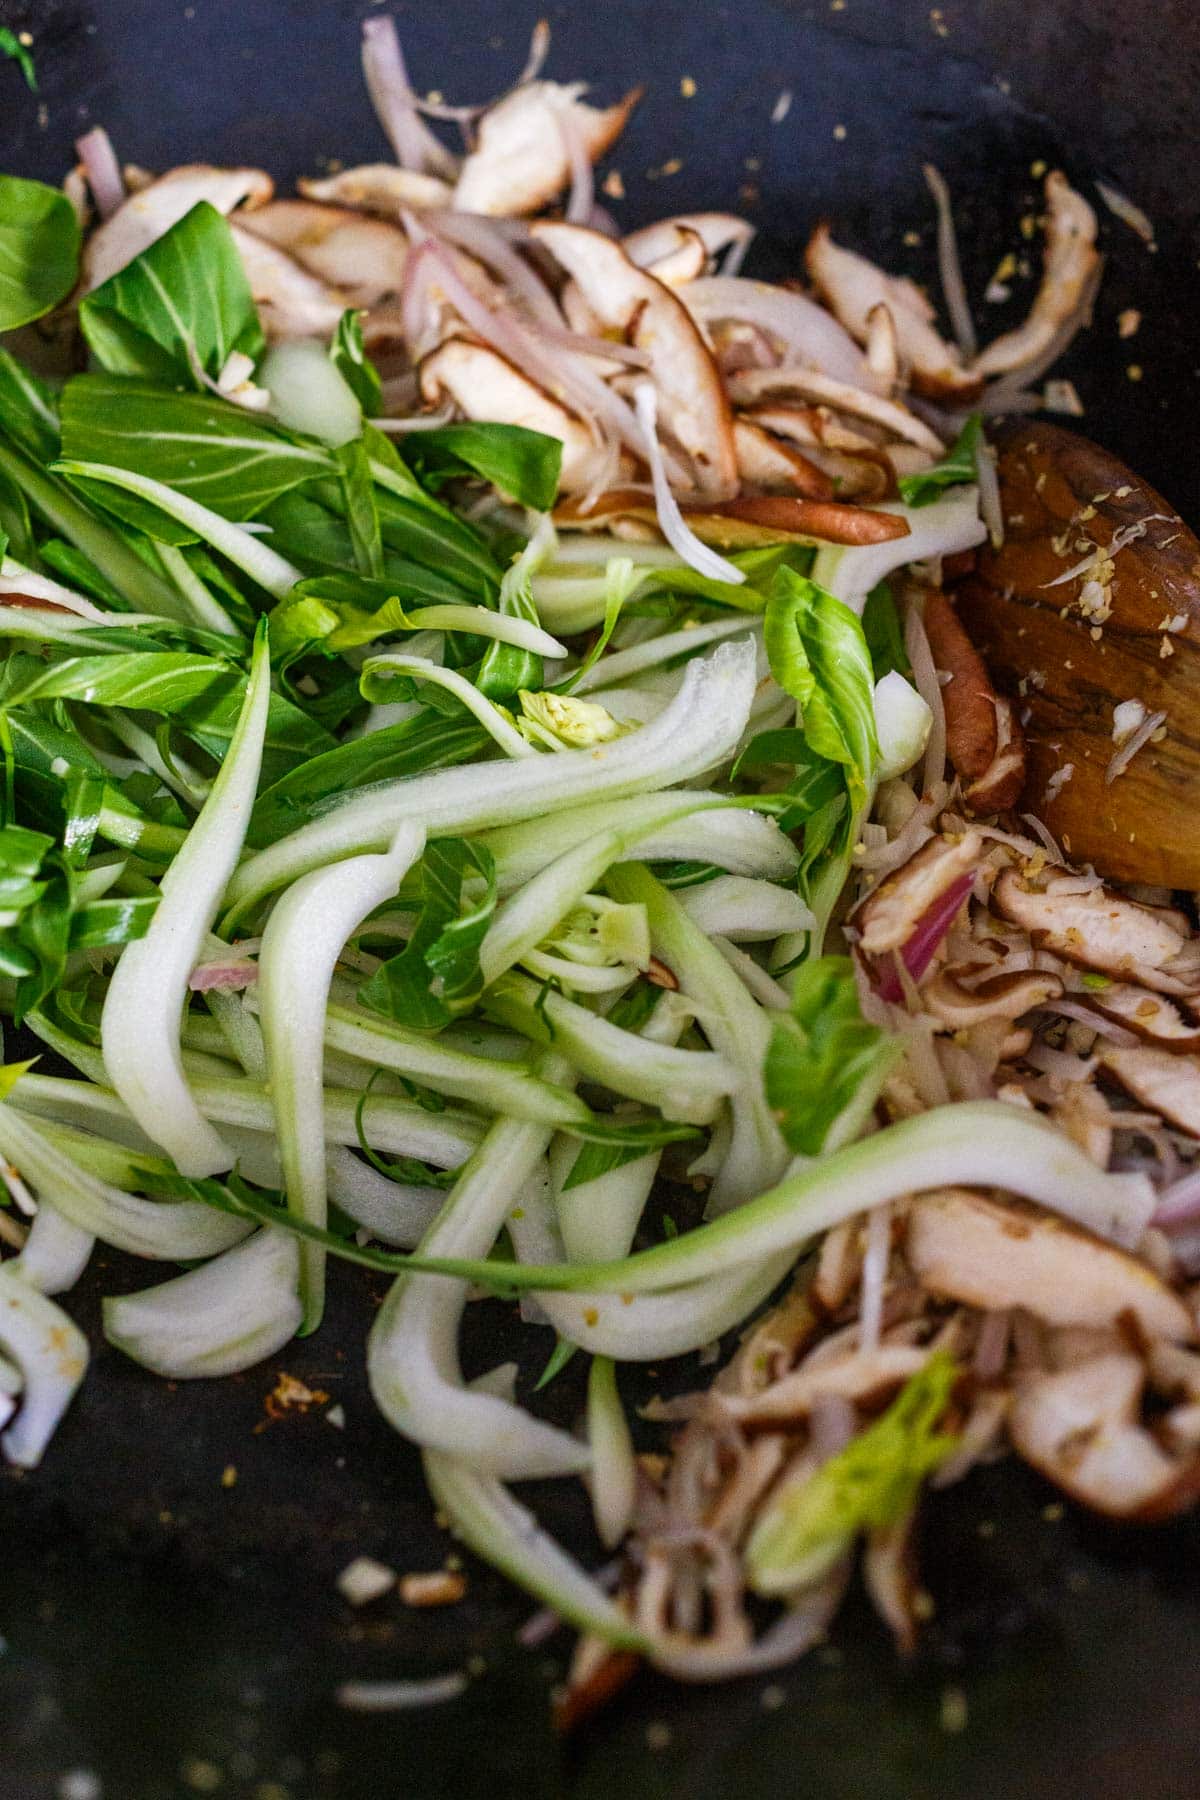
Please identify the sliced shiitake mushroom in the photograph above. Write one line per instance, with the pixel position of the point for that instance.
(766, 462)
(983, 739)
(743, 524)
(660, 247)
(142, 219)
(521, 159)
(291, 302)
(1154, 1018)
(852, 288)
(748, 387)
(364, 256)
(1101, 930)
(1165, 1082)
(484, 385)
(1080, 1426)
(692, 403)
(1005, 995)
(888, 917)
(963, 1246)
(862, 1377)
(1071, 264)
(382, 188)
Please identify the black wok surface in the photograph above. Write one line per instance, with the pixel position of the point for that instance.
(174, 1629)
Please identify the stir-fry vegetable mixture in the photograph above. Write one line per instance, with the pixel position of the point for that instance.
(486, 731)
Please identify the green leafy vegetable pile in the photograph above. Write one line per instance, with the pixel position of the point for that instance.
(377, 873)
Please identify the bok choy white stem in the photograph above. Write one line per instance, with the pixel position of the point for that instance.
(715, 830)
(56, 1251)
(491, 1084)
(684, 1084)
(216, 1320)
(139, 1028)
(412, 1352)
(614, 1468)
(243, 548)
(301, 944)
(52, 1355)
(170, 1230)
(735, 1024)
(483, 1513)
(698, 731)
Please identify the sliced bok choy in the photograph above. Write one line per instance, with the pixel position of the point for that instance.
(139, 1031)
(216, 1320)
(52, 1355)
(303, 939)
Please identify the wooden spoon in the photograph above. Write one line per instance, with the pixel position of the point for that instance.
(1136, 636)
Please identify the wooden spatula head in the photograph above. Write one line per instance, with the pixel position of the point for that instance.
(1071, 653)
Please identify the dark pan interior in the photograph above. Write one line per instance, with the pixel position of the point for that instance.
(171, 1632)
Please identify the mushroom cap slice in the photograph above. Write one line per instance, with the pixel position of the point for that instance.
(1167, 1083)
(1101, 930)
(766, 462)
(521, 162)
(484, 385)
(743, 524)
(1079, 1426)
(983, 739)
(888, 917)
(1154, 1018)
(963, 1246)
(863, 1376)
(365, 257)
(999, 787)
(1071, 263)
(684, 260)
(716, 231)
(291, 302)
(692, 402)
(852, 287)
(750, 386)
(968, 696)
(1005, 995)
(142, 219)
(382, 188)
(861, 470)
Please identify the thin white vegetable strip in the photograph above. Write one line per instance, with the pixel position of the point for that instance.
(740, 908)
(614, 1467)
(697, 732)
(684, 1084)
(139, 1031)
(303, 939)
(489, 716)
(943, 528)
(246, 551)
(205, 610)
(646, 1326)
(524, 920)
(393, 1126)
(516, 1091)
(734, 1023)
(483, 1513)
(172, 1230)
(56, 1251)
(52, 1355)
(217, 1320)
(734, 838)
(598, 1218)
(610, 671)
(481, 621)
(412, 1353)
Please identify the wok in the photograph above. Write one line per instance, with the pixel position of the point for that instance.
(168, 1615)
